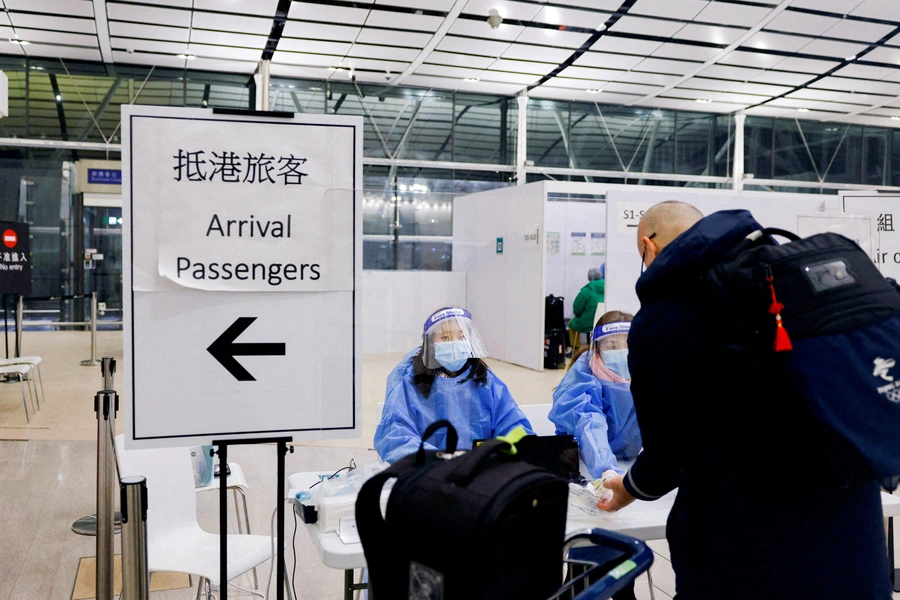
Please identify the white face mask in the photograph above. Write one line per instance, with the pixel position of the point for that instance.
(617, 362)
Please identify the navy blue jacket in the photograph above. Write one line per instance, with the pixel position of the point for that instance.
(771, 504)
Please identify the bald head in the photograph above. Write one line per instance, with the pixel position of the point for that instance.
(661, 224)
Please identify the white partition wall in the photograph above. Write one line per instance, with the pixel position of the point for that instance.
(625, 205)
(504, 289)
(395, 304)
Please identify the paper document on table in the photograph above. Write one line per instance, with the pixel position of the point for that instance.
(583, 502)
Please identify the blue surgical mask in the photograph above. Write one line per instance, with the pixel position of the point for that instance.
(452, 355)
(617, 362)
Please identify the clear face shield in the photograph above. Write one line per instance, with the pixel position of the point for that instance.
(449, 339)
(611, 341)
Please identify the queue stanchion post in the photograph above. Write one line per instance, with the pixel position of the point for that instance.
(135, 571)
(108, 370)
(20, 314)
(93, 359)
(106, 403)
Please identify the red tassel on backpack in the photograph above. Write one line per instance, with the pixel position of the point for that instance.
(782, 339)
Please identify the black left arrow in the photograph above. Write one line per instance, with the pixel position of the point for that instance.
(224, 349)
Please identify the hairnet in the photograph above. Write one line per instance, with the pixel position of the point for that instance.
(450, 325)
(594, 274)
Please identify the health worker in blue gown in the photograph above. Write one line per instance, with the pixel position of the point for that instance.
(445, 378)
(593, 402)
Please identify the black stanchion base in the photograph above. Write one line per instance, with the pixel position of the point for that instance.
(88, 525)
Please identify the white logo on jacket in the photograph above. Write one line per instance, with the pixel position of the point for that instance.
(882, 366)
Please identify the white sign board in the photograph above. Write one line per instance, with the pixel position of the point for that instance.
(242, 245)
(885, 210)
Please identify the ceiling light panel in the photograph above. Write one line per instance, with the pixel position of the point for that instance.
(740, 99)
(859, 31)
(732, 14)
(508, 10)
(69, 52)
(516, 78)
(849, 85)
(834, 6)
(536, 53)
(644, 26)
(236, 23)
(631, 88)
(460, 60)
(384, 52)
(148, 14)
(488, 87)
(407, 39)
(726, 72)
(341, 15)
(783, 78)
(56, 37)
(521, 66)
(404, 21)
(314, 46)
(885, 54)
(791, 21)
(552, 15)
(225, 66)
(648, 78)
(282, 70)
(140, 58)
(150, 32)
(553, 37)
(661, 65)
(477, 29)
(641, 48)
(806, 65)
(751, 59)
(710, 34)
(77, 8)
(588, 74)
(887, 10)
(685, 52)
(713, 85)
(223, 52)
(426, 81)
(307, 60)
(452, 43)
(429, 4)
(149, 46)
(685, 10)
(263, 8)
(54, 23)
(608, 61)
(765, 40)
(832, 49)
(317, 31)
(445, 71)
(225, 38)
(864, 72)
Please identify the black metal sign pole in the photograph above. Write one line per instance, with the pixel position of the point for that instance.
(222, 452)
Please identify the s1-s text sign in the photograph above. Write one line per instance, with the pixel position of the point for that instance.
(242, 244)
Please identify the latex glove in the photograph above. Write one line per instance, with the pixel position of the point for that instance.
(620, 496)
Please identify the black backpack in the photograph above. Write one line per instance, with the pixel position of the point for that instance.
(554, 313)
(479, 525)
(819, 310)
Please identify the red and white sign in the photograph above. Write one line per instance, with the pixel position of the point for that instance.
(10, 239)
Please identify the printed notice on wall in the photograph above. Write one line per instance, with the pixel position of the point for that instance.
(552, 242)
(885, 210)
(598, 243)
(578, 243)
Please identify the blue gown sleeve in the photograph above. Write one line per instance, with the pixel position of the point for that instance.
(397, 434)
(506, 413)
(578, 410)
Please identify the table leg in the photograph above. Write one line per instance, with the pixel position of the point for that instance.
(348, 584)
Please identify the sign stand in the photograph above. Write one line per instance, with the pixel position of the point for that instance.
(282, 450)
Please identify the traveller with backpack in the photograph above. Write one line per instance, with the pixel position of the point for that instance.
(772, 501)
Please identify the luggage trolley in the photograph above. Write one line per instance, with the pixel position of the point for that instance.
(638, 558)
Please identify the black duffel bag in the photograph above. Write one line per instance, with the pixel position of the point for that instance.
(479, 525)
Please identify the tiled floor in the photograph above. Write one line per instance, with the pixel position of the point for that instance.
(47, 475)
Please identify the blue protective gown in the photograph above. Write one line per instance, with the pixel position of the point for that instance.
(600, 414)
(476, 411)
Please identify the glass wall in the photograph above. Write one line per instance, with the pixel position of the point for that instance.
(407, 210)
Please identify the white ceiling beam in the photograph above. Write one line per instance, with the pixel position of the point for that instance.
(103, 31)
(722, 54)
(449, 20)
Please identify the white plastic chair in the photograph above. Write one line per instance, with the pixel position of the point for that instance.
(21, 372)
(35, 362)
(537, 416)
(175, 542)
(238, 486)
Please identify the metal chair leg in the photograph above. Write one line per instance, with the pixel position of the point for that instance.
(41, 378)
(650, 580)
(34, 385)
(247, 525)
(24, 401)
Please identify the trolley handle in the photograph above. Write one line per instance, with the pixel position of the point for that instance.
(640, 558)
